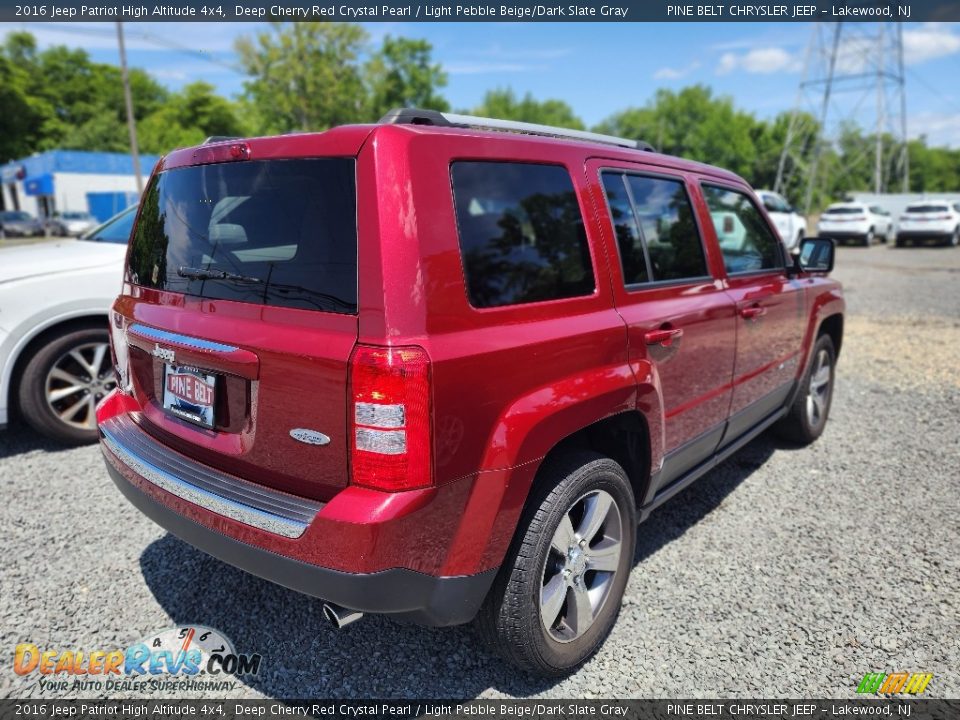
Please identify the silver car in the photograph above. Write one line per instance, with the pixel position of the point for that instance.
(72, 223)
(17, 223)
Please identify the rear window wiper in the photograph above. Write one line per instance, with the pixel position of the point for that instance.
(207, 274)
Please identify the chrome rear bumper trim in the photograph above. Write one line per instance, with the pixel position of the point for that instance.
(189, 341)
(240, 500)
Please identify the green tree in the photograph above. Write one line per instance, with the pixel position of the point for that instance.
(401, 74)
(187, 118)
(691, 123)
(24, 114)
(503, 103)
(304, 76)
(76, 103)
(933, 169)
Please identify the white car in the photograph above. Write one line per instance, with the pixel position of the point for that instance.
(930, 220)
(55, 361)
(73, 223)
(858, 222)
(791, 225)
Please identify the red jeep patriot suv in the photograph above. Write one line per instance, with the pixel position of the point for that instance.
(440, 367)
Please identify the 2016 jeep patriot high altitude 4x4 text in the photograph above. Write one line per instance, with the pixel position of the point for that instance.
(441, 366)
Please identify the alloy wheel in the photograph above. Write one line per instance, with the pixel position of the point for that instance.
(583, 559)
(77, 381)
(818, 391)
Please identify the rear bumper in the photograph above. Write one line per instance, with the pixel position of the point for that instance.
(843, 234)
(401, 593)
(925, 234)
(289, 540)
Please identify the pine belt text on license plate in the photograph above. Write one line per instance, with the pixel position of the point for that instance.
(189, 393)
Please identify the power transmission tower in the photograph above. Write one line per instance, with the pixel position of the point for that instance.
(853, 78)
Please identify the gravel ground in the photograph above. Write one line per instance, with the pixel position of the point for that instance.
(784, 573)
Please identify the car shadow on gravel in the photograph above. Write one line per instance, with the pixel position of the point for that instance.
(303, 656)
(17, 440)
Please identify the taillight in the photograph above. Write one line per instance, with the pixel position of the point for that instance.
(390, 418)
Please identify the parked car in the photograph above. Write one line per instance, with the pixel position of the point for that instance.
(790, 224)
(54, 357)
(439, 370)
(72, 223)
(857, 222)
(937, 220)
(17, 223)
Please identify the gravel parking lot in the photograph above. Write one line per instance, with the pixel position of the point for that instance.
(784, 573)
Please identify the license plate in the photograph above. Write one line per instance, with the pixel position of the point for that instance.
(189, 393)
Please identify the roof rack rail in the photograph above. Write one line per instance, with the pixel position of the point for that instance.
(220, 138)
(415, 116)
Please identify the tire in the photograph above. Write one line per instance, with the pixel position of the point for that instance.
(53, 370)
(869, 238)
(511, 619)
(808, 415)
(955, 238)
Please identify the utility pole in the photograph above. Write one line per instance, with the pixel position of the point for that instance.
(128, 98)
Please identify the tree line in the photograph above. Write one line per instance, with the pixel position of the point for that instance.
(312, 76)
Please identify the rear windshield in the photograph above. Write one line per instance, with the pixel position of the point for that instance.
(272, 232)
(928, 209)
(844, 211)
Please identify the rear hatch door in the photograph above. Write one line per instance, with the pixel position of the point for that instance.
(241, 314)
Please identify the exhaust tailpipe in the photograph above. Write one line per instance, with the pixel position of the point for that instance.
(339, 616)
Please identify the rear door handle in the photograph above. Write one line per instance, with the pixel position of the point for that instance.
(753, 312)
(663, 336)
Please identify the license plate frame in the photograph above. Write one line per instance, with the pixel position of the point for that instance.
(190, 394)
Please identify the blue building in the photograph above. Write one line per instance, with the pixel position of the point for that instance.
(60, 180)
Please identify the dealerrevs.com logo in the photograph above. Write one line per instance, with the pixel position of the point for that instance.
(189, 657)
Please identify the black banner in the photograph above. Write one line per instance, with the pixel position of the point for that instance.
(472, 709)
(486, 10)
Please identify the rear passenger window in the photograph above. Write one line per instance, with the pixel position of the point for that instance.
(522, 237)
(668, 228)
(629, 243)
(745, 239)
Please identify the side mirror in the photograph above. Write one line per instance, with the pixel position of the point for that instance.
(816, 255)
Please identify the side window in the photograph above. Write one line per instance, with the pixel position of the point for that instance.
(774, 203)
(745, 239)
(629, 243)
(667, 228)
(522, 237)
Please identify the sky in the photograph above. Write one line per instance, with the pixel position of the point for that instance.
(598, 68)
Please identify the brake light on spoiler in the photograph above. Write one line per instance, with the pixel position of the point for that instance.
(390, 419)
(221, 152)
